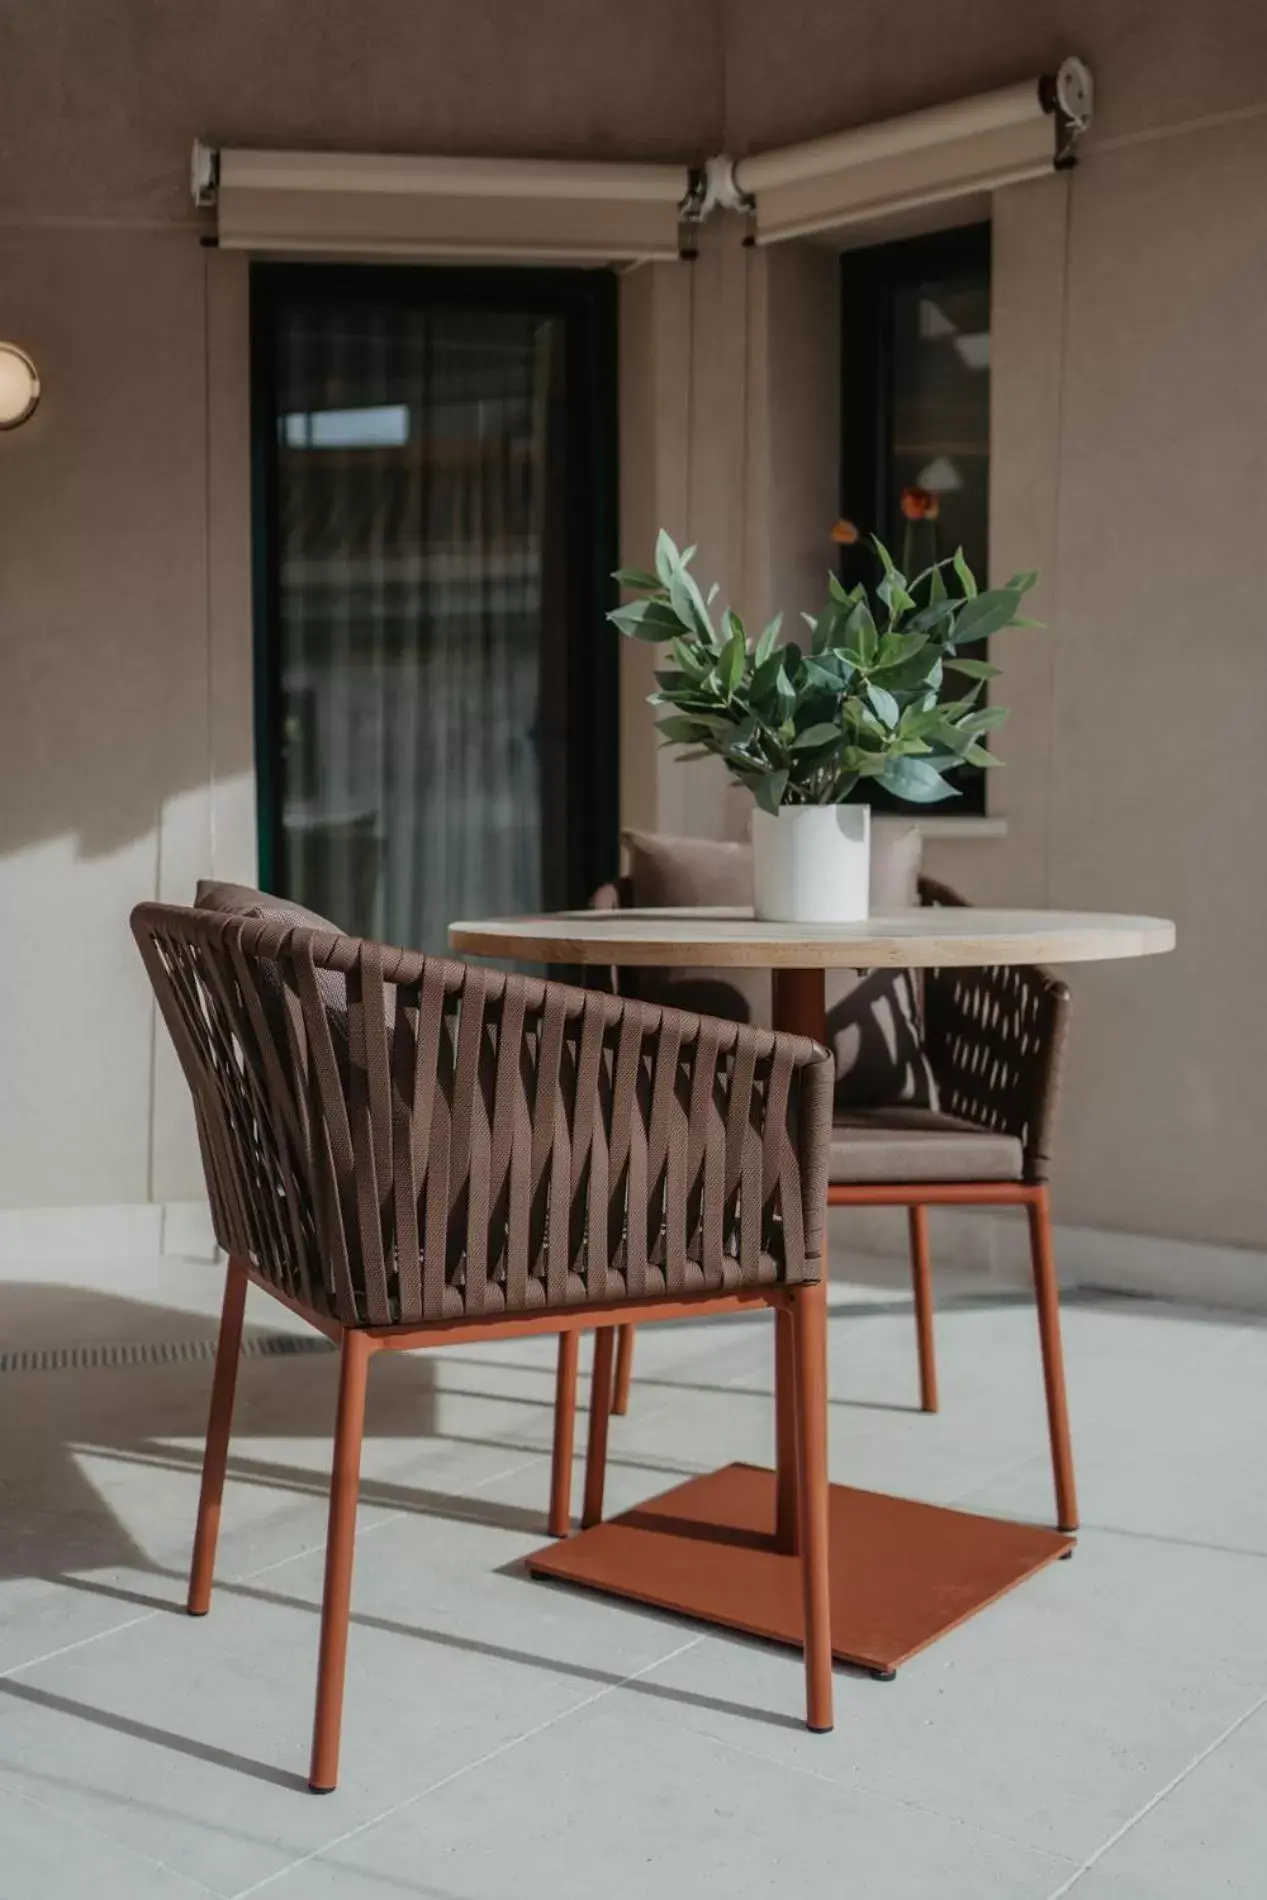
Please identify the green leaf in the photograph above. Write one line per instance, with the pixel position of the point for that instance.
(768, 790)
(824, 628)
(831, 672)
(740, 736)
(688, 604)
(1023, 581)
(897, 648)
(816, 736)
(987, 720)
(884, 704)
(937, 612)
(713, 592)
(892, 592)
(647, 620)
(861, 635)
(693, 664)
(886, 561)
(983, 615)
(964, 573)
(680, 729)
(975, 669)
(765, 645)
(667, 558)
(733, 627)
(915, 780)
(977, 755)
(636, 577)
(733, 660)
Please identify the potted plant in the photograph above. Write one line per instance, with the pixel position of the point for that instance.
(807, 729)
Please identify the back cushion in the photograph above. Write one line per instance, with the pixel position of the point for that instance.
(241, 900)
(873, 1017)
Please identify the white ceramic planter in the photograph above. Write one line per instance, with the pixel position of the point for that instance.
(811, 864)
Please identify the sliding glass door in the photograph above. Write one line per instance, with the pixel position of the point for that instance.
(436, 687)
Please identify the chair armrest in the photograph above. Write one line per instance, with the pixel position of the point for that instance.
(568, 1147)
(996, 1041)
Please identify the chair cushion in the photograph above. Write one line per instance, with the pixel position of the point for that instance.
(874, 1018)
(241, 900)
(909, 1144)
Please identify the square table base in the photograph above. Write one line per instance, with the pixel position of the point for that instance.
(902, 1573)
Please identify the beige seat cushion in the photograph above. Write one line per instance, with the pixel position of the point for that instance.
(874, 1022)
(909, 1144)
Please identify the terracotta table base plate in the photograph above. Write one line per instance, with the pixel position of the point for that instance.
(902, 1573)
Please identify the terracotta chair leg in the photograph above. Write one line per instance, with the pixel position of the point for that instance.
(786, 1532)
(809, 1320)
(216, 1455)
(922, 1282)
(624, 1370)
(600, 1413)
(345, 1483)
(564, 1432)
(1047, 1291)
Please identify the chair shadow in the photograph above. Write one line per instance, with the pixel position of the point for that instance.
(284, 1396)
(445, 1639)
(146, 1732)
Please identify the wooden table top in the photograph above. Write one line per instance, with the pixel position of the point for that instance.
(927, 937)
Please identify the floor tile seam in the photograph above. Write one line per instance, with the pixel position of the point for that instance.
(82, 1826)
(447, 1781)
(1155, 1801)
(363, 1531)
(879, 1795)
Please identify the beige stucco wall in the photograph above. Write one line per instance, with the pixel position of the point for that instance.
(1128, 410)
(125, 723)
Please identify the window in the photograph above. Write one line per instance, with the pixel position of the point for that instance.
(915, 419)
(436, 686)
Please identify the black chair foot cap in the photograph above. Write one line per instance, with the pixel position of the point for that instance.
(820, 1731)
(884, 1675)
(1064, 1557)
(189, 1612)
(314, 1789)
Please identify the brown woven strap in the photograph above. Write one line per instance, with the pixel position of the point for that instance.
(393, 1140)
(996, 1039)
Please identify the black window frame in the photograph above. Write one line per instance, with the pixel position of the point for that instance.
(587, 300)
(869, 282)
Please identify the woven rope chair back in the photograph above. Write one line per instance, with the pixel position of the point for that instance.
(392, 1140)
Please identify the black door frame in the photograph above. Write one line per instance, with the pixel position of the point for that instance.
(587, 301)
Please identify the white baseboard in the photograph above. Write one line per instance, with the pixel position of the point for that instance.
(49, 1234)
(989, 1241)
(994, 1241)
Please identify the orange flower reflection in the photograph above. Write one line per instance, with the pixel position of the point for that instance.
(844, 534)
(920, 504)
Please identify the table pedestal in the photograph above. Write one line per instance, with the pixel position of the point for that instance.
(902, 1573)
(719, 1548)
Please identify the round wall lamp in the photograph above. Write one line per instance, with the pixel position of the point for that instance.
(19, 386)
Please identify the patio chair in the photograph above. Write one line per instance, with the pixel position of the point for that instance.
(995, 1041)
(410, 1152)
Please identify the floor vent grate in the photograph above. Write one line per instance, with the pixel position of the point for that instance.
(151, 1352)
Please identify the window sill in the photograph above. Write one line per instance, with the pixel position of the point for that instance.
(937, 829)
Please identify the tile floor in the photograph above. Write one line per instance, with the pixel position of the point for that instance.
(1103, 1731)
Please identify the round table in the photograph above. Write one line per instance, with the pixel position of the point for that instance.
(902, 1573)
(798, 954)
